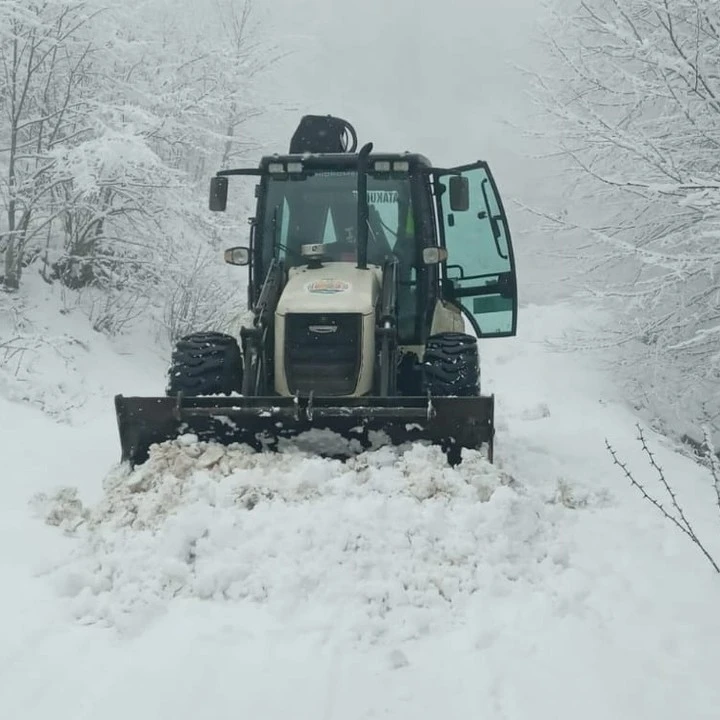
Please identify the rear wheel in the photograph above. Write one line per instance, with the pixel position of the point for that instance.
(207, 363)
(451, 365)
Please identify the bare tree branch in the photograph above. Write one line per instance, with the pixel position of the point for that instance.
(679, 518)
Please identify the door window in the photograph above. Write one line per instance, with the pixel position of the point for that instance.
(480, 267)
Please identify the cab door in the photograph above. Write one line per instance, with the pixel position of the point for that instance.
(479, 274)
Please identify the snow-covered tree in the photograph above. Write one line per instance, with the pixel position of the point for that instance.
(637, 97)
(44, 64)
(117, 113)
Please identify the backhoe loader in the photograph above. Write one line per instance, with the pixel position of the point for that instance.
(371, 277)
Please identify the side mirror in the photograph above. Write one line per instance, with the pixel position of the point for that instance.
(218, 193)
(237, 256)
(434, 255)
(459, 193)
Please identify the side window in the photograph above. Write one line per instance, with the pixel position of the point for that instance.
(480, 266)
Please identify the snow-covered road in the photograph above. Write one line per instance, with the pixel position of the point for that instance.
(223, 584)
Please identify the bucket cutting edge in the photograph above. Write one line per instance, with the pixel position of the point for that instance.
(451, 422)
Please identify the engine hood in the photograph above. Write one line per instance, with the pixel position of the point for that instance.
(334, 288)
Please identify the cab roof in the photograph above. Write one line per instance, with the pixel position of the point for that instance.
(345, 161)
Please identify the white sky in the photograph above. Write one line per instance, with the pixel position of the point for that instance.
(432, 77)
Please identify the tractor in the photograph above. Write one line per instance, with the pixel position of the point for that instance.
(371, 277)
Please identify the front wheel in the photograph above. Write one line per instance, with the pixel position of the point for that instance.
(207, 363)
(451, 365)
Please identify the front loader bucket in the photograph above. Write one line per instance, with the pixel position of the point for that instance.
(452, 422)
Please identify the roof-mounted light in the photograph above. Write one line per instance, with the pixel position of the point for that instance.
(401, 166)
(295, 167)
(276, 168)
(382, 166)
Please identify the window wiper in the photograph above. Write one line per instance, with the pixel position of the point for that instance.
(390, 230)
(277, 245)
(290, 251)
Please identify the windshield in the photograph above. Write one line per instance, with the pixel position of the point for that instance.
(322, 208)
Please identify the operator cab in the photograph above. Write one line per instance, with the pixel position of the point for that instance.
(317, 205)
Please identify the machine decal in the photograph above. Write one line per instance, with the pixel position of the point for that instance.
(327, 286)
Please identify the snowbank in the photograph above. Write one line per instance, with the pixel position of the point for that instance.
(395, 537)
(52, 359)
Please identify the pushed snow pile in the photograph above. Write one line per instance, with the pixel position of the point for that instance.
(391, 539)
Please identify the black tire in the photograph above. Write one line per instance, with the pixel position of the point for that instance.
(451, 365)
(207, 363)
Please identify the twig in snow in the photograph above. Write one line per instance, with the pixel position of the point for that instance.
(677, 517)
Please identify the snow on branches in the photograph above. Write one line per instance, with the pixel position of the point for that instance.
(114, 114)
(636, 105)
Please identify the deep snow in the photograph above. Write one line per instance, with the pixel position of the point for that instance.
(220, 583)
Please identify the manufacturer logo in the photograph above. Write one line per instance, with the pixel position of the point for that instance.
(327, 287)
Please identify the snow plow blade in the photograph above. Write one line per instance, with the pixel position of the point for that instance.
(452, 422)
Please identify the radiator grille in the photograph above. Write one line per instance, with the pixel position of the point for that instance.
(322, 353)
